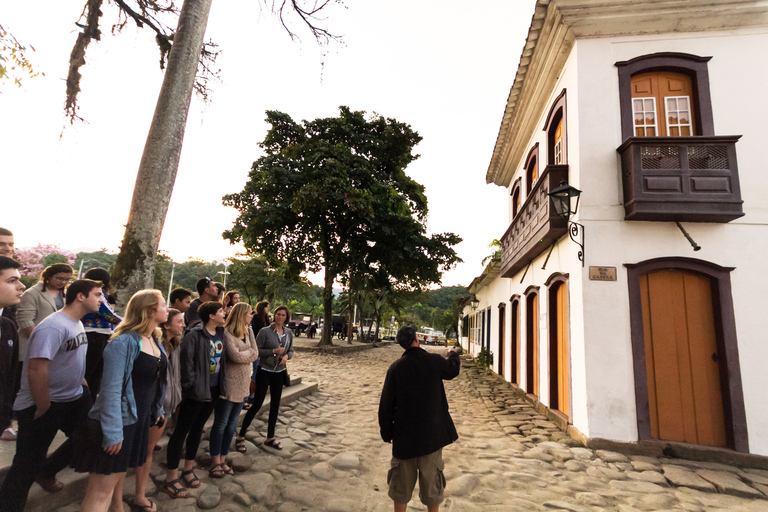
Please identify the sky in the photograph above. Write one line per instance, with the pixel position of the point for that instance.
(444, 67)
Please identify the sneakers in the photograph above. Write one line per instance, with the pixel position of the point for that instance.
(8, 435)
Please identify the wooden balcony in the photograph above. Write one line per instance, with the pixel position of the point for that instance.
(692, 179)
(536, 226)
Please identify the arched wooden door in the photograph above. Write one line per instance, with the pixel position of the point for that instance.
(559, 377)
(515, 349)
(532, 343)
(502, 326)
(685, 397)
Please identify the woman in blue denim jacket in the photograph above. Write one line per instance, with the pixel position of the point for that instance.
(131, 400)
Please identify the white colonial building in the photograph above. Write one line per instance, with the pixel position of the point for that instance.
(658, 113)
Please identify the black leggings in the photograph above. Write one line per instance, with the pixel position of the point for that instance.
(189, 426)
(264, 379)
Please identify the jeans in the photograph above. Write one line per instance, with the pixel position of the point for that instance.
(224, 425)
(264, 380)
(189, 427)
(34, 438)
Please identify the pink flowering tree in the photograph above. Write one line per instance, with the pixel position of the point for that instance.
(34, 259)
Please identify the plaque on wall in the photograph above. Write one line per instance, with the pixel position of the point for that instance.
(602, 273)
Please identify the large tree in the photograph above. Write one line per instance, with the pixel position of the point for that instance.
(135, 266)
(330, 191)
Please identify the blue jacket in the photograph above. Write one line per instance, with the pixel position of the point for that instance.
(117, 388)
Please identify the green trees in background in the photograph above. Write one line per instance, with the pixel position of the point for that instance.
(333, 194)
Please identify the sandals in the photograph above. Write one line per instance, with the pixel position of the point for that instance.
(152, 507)
(273, 443)
(227, 470)
(240, 444)
(171, 489)
(216, 471)
(192, 483)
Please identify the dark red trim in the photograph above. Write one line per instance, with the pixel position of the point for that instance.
(533, 157)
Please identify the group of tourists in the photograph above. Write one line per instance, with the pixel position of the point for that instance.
(111, 384)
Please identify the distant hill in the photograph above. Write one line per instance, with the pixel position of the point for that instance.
(443, 297)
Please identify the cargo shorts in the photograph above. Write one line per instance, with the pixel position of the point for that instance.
(429, 469)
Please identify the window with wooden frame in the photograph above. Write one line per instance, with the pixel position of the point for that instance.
(531, 169)
(556, 129)
(662, 105)
(516, 198)
(677, 85)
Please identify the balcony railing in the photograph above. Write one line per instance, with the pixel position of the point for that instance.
(693, 179)
(536, 226)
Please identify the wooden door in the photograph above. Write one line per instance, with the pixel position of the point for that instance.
(532, 344)
(662, 105)
(685, 397)
(515, 349)
(561, 349)
(502, 313)
(558, 143)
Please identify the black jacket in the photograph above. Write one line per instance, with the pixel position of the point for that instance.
(194, 364)
(413, 410)
(9, 361)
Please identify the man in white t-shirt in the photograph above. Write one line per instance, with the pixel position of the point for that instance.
(53, 396)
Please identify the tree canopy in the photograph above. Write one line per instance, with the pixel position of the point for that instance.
(333, 194)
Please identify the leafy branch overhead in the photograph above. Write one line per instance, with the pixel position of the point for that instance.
(160, 16)
(14, 64)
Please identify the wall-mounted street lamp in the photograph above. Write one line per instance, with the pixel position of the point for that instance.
(474, 302)
(566, 201)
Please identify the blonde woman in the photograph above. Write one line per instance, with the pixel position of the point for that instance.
(241, 351)
(172, 330)
(131, 399)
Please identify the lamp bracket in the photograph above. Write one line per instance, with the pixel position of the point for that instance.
(576, 233)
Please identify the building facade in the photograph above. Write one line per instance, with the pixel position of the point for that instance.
(641, 321)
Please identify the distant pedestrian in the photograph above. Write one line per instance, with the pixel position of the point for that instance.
(220, 289)
(202, 365)
(99, 327)
(132, 401)
(275, 344)
(241, 350)
(180, 299)
(7, 250)
(53, 396)
(414, 417)
(207, 291)
(11, 290)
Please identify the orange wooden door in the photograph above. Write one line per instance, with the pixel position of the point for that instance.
(662, 104)
(502, 313)
(532, 344)
(563, 403)
(515, 350)
(684, 392)
(558, 146)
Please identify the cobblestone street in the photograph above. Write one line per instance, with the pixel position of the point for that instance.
(508, 457)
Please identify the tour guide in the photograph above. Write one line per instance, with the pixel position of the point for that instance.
(413, 414)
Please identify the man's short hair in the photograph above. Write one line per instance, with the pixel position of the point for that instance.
(6, 263)
(208, 309)
(219, 287)
(5, 232)
(84, 286)
(98, 274)
(179, 294)
(202, 284)
(406, 335)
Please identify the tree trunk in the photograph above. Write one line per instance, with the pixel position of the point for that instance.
(325, 339)
(135, 265)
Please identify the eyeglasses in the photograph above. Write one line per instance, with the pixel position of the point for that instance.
(63, 279)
